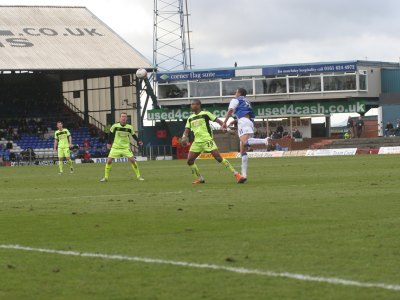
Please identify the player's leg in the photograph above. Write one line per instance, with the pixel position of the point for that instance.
(135, 167)
(246, 126)
(107, 169)
(217, 155)
(243, 142)
(60, 161)
(254, 141)
(69, 161)
(68, 158)
(245, 131)
(192, 164)
(60, 165)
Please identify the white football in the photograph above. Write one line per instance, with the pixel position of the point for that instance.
(141, 73)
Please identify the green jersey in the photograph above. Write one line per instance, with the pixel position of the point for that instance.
(62, 138)
(200, 125)
(122, 134)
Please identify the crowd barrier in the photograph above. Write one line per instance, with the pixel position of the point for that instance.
(255, 154)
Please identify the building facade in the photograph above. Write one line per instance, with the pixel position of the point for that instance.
(288, 95)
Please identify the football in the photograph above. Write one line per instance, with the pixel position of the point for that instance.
(141, 73)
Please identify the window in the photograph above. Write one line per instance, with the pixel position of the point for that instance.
(229, 87)
(177, 90)
(340, 82)
(363, 80)
(271, 86)
(126, 80)
(204, 89)
(304, 84)
(76, 94)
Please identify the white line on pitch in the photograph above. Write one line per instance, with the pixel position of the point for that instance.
(302, 277)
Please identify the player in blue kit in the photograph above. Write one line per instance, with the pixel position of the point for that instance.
(241, 107)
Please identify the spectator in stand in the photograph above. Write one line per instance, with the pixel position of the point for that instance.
(175, 144)
(9, 145)
(10, 132)
(75, 152)
(397, 131)
(86, 157)
(297, 134)
(350, 127)
(389, 129)
(86, 144)
(15, 135)
(359, 126)
(45, 130)
(102, 137)
(262, 131)
(40, 133)
(93, 131)
(279, 130)
(256, 132)
(286, 135)
(275, 135)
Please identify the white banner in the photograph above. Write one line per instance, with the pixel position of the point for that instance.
(103, 160)
(389, 150)
(332, 152)
(164, 158)
(263, 154)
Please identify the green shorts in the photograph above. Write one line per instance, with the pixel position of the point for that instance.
(199, 147)
(117, 153)
(63, 152)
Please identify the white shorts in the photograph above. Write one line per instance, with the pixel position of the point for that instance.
(245, 126)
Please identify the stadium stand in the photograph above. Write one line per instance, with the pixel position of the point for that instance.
(43, 146)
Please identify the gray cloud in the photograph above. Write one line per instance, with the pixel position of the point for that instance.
(278, 31)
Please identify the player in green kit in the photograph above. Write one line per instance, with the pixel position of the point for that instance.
(120, 139)
(62, 144)
(199, 123)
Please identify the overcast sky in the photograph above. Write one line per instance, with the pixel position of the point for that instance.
(262, 32)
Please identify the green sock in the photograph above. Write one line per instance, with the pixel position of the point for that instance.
(228, 165)
(135, 168)
(195, 171)
(70, 164)
(107, 170)
(60, 165)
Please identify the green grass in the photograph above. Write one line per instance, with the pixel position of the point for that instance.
(330, 217)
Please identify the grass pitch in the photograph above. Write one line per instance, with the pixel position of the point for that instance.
(329, 217)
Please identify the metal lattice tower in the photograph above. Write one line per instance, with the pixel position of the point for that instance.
(171, 35)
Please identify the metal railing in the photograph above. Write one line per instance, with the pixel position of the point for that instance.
(28, 158)
(81, 114)
(156, 152)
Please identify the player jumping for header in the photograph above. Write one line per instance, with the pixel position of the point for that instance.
(120, 140)
(62, 144)
(245, 115)
(199, 123)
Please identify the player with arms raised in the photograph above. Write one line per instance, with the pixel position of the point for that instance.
(199, 123)
(62, 145)
(119, 138)
(245, 120)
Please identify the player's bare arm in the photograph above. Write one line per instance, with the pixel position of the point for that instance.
(184, 137)
(228, 115)
(55, 145)
(233, 122)
(219, 122)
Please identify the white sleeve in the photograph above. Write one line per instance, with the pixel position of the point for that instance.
(233, 104)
